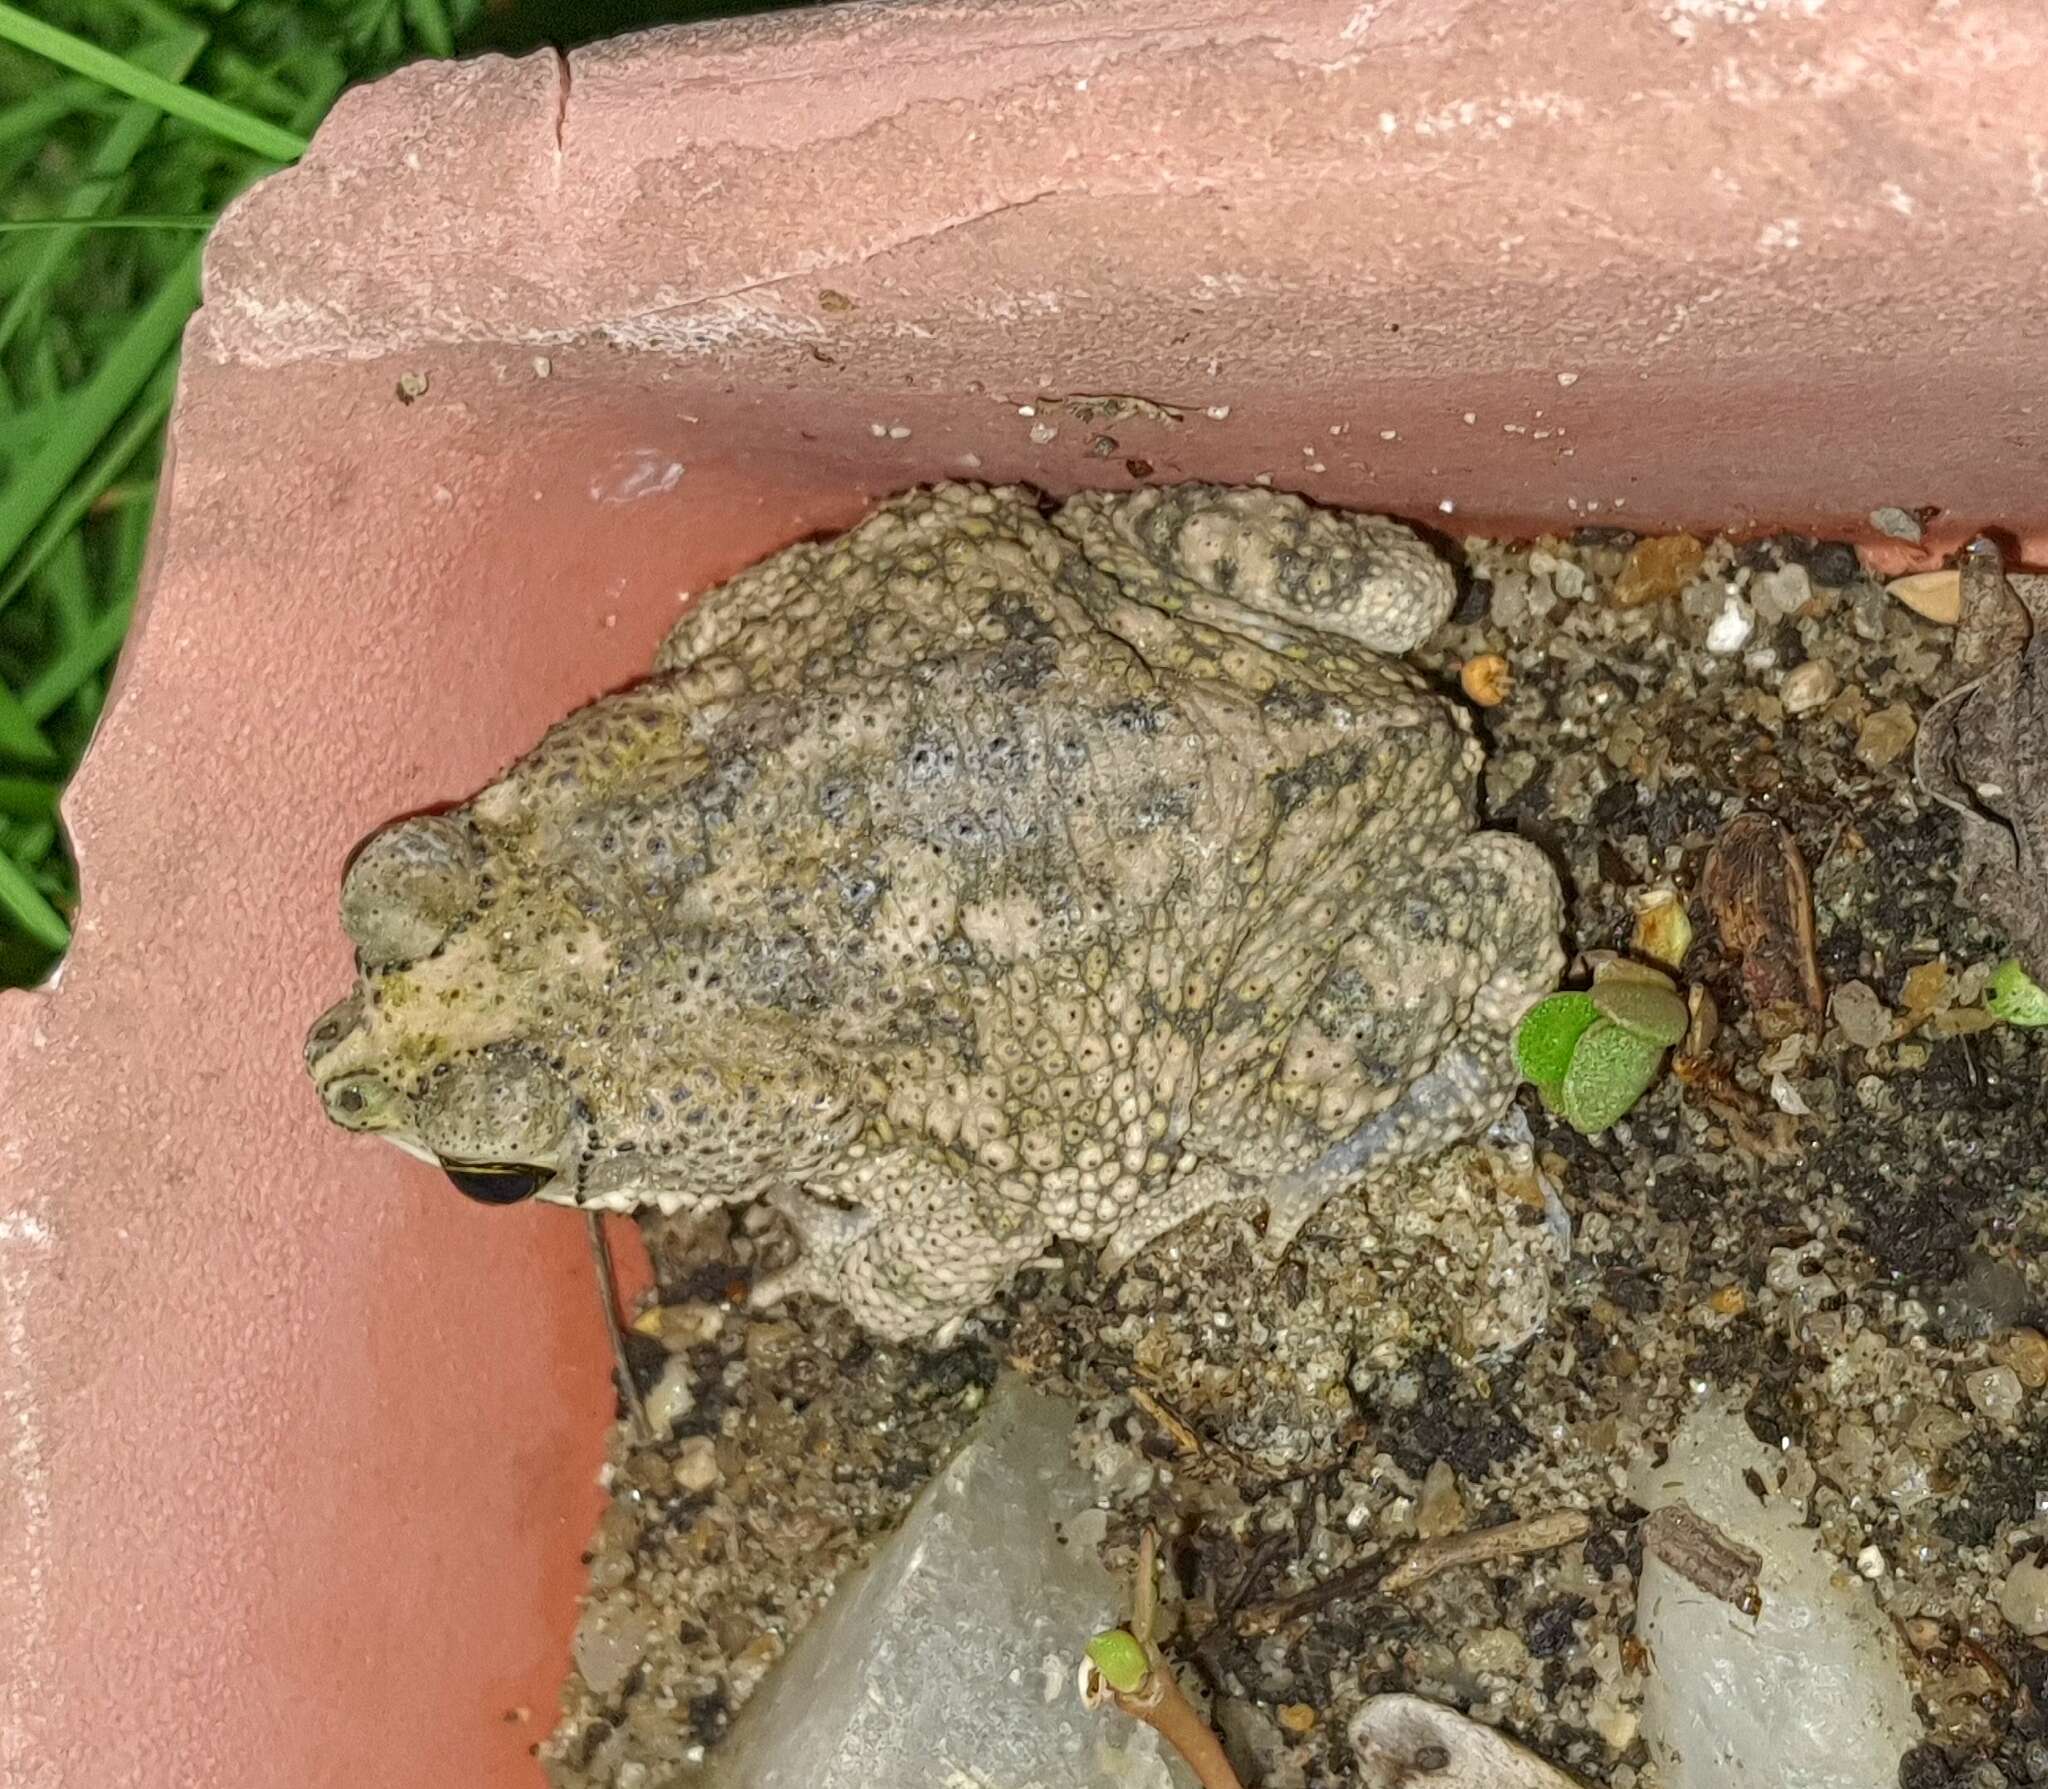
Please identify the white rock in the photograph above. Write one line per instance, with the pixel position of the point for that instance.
(1807, 1693)
(696, 1467)
(1996, 1392)
(2023, 1598)
(1730, 630)
(1809, 685)
(1780, 593)
(950, 1659)
(1403, 1742)
(673, 1396)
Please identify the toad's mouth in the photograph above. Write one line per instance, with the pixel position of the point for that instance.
(496, 1183)
(488, 1183)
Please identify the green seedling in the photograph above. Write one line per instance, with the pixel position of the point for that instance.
(2014, 996)
(1592, 1055)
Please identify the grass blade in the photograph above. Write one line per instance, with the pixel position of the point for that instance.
(134, 221)
(64, 675)
(27, 797)
(20, 738)
(32, 118)
(41, 479)
(32, 844)
(133, 435)
(430, 25)
(26, 905)
(231, 123)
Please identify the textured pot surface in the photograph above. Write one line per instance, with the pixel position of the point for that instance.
(301, 1448)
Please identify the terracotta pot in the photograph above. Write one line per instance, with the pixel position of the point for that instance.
(301, 1447)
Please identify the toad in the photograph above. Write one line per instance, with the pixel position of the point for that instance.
(993, 874)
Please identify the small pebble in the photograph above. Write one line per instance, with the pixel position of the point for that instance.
(1441, 1510)
(1617, 1726)
(1658, 568)
(1495, 1651)
(1938, 595)
(610, 1639)
(2023, 1598)
(1900, 524)
(1297, 1717)
(696, 1467)
(1865, 1019)
(1779, 595)
(1996, 1393)
(1885, 735)
(1487, 679)
(1730, 630)
(1663, 929)
(673, 1396)
(1870, 1563)
(1809, 686)
(2025, 1351)
(1923, 1632)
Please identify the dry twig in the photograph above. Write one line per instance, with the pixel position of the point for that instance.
(1423, 1561)
(608, 1293)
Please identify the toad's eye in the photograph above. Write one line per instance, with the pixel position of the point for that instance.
(494, 1183)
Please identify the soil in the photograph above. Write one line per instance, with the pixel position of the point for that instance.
(1841, 1223)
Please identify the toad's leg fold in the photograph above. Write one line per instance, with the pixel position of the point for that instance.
(926, 1244)
(1250, 559)
(1151, 1218)
(1473, 1076)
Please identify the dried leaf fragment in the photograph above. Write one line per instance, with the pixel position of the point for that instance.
(1983, 752)
(1756, 887)
(1701, 1554)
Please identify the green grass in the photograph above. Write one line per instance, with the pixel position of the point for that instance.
(125, 126)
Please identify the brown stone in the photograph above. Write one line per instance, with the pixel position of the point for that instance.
(1658, 569)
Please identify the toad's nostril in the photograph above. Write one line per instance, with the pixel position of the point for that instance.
(333, 1028)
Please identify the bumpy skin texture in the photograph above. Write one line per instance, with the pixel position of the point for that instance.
(982, 877)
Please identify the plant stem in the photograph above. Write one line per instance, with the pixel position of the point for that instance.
(1162, 1707)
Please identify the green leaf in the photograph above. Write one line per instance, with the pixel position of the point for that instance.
(230, 123)
(2014, 996)
(1610, 1068)
(25, 903)
(139, 220)
(32, 117)
(1652, 1013)
(1547, 1034)
(1121, 1660)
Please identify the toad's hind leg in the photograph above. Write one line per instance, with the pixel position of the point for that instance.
(1515, 958)
(1268, 564)
(924, 1247)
